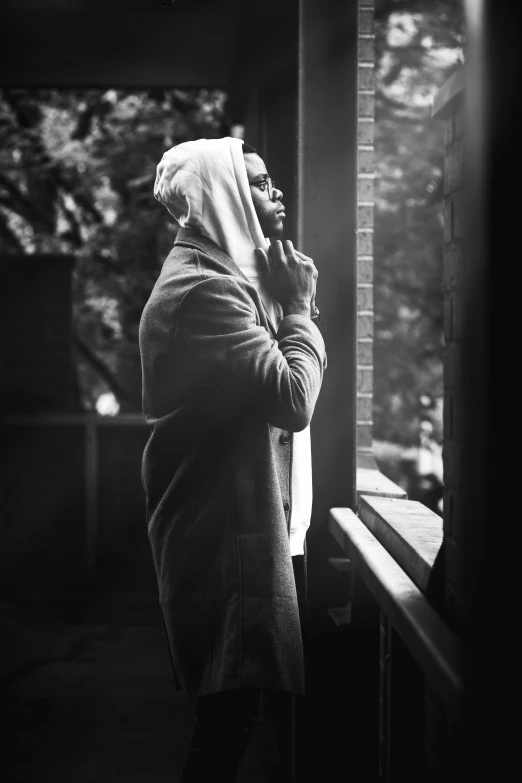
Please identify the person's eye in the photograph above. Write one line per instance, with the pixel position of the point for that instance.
(263, 185)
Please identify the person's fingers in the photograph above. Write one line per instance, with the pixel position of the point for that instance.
(276, 247)
(288, 249)
(264, 259)
(307, 262)
(302, 256)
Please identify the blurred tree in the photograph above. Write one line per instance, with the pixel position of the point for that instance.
(418, 45)
(77, 173)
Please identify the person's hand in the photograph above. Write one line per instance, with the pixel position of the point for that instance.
(316, 273)
(290, 276)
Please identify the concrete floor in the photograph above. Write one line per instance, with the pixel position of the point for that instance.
(87, 702)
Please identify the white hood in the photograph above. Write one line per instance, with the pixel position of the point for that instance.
(204, 186)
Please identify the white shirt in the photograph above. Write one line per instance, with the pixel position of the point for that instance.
(301, 491)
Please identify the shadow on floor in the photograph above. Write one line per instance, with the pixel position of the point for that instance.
(95, 703)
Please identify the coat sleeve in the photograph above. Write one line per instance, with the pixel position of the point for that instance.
(280, 314)
(217, 318)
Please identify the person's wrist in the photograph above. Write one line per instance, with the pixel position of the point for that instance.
(297, 307)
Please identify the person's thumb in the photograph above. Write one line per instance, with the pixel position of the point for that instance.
(263, 258)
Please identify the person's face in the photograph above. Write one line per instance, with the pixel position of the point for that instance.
(269, 208)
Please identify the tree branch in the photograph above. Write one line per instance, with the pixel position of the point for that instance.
(75, 233)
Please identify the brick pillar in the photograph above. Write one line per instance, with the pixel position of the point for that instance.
(365, 208)
(448, 107)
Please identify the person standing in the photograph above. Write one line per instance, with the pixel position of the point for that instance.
(232, 363)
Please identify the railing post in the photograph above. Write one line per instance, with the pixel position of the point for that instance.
(91, 494)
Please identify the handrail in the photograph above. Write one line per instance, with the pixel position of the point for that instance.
(430, 641)
(408, 530)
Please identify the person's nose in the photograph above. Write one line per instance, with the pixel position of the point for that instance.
(277, 194)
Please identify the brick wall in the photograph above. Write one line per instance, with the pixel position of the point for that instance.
(448, 108)
(365, 209)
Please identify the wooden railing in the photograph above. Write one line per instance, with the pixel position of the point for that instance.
(390, 548)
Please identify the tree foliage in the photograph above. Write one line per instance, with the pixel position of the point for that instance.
(77, 174)
(418, 46)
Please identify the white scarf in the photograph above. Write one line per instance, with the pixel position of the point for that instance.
(204, 186)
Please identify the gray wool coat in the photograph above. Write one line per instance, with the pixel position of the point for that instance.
(224, 392)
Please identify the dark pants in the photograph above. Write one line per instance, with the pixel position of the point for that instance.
(225, 721)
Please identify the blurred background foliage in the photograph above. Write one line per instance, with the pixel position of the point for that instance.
(77, 169)
(419, 45)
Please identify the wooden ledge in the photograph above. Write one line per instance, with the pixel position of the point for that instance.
(370, 480)
(433, 645)
(410, 533)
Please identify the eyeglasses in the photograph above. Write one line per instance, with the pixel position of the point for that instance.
(266, 184)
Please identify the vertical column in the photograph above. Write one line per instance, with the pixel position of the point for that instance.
(492, 232)
(326, 225)
(453, 356)
(91, 493)
(365, 221)
(448, 107)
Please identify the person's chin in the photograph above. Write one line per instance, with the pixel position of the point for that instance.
(277, 230)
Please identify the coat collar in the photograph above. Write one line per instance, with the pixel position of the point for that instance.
(191, 238)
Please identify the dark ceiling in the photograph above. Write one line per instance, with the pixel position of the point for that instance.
(61, 43)
(139, 43)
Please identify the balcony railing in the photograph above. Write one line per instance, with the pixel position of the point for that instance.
(390, 548)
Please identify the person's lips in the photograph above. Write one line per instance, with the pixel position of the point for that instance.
(281, 212)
